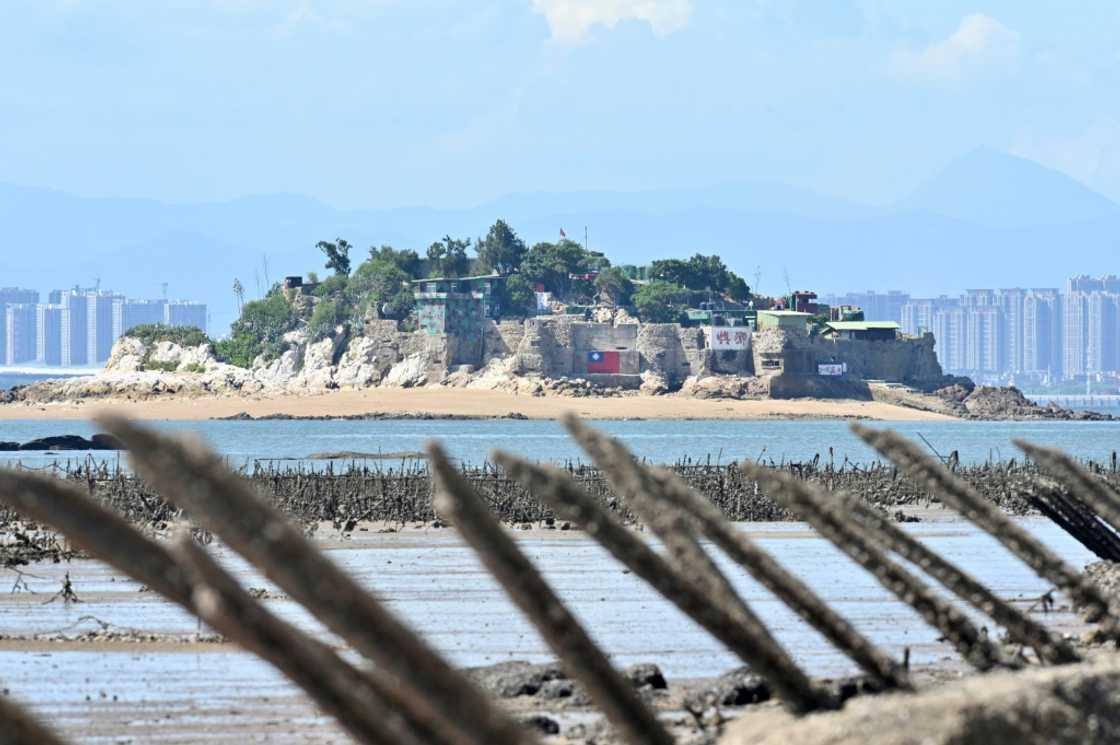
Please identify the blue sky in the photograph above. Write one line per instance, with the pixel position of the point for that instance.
(382, 103)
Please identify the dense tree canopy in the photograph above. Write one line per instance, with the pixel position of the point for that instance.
(501, 251)
(552, 264)
(380, 283)
(614, 287)
(701, 273)
(518, 297)
(660, 302)
(448, 257)
(406, 260)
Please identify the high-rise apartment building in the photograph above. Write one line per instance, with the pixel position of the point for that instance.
(1101, 333)
(104, 316)
(877, 306)
(917, 315)
(984, 341)
(74, 323)
(950, 329)
(48, 334)
(186, 313)
(18, 331)
(1010, 302)
(18, 296)
(1042, 333)
(142, 312)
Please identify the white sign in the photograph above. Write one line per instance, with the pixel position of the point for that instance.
(729, 337)
(830, 369)
(543, 301)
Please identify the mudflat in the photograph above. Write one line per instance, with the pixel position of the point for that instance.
(441, 401)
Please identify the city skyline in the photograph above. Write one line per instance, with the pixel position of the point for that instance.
(1037, 335)
(77, 327)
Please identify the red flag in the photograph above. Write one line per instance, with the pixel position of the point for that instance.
(603, 362)
(563, 234)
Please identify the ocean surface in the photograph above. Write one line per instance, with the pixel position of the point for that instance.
(9, 378)
(658, 441)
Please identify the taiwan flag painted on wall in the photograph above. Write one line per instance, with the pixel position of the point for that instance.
(602, 362)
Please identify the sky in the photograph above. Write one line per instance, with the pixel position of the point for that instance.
(387, 103)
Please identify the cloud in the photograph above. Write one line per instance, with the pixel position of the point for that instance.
(571, 20)
(981, 45)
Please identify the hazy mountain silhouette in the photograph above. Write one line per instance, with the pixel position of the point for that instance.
(987, 220)
(994, 188)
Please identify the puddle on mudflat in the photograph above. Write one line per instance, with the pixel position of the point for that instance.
(213, 691)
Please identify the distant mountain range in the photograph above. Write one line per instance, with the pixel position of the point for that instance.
(988, 219)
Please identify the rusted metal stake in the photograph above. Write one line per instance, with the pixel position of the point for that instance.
(356, 699)
(19, 727)
(660, 487)
(1021, 627)
(818, 509)
(961, 497)
(571, 503)
(434, 693)
(578, 654)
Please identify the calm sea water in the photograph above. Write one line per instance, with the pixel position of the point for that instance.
(658, 441)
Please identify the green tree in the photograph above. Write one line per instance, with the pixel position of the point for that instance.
(518, 297)
(552, 264)
(382, 284)
(660, 302)
(614, 287)
(338, 255)
(333, 286)
(406, 260)
(702, 274)
(259, 330)
(448, 257)
(501, 251)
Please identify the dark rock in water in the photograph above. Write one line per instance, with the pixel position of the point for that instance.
(541, 723)
(58, 442)
(516, 678)
(73, 442)
(646, 675)
(102, 441)
(8, 446)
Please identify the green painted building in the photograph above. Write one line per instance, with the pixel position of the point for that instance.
(459, 306)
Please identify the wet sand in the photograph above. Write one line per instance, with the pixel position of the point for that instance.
(125, 665)
(441, 401)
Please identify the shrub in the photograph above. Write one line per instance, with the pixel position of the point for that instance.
(259, 330)
(153, 333)
(660, 302)
(327, 315)
(162, 366)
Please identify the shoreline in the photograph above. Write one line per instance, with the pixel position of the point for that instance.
(440, 402)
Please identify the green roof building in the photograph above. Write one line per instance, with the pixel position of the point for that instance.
(787, 320)
(865, 330)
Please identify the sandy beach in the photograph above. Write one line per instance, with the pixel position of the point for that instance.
(472, 403)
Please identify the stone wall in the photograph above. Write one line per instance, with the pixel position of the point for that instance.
(903, 360)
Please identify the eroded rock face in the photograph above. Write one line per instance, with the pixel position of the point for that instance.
(725, 386)
(127, 355)
(363, 364)
(410, 372)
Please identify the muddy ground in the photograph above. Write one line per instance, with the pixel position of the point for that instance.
(114, 662)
